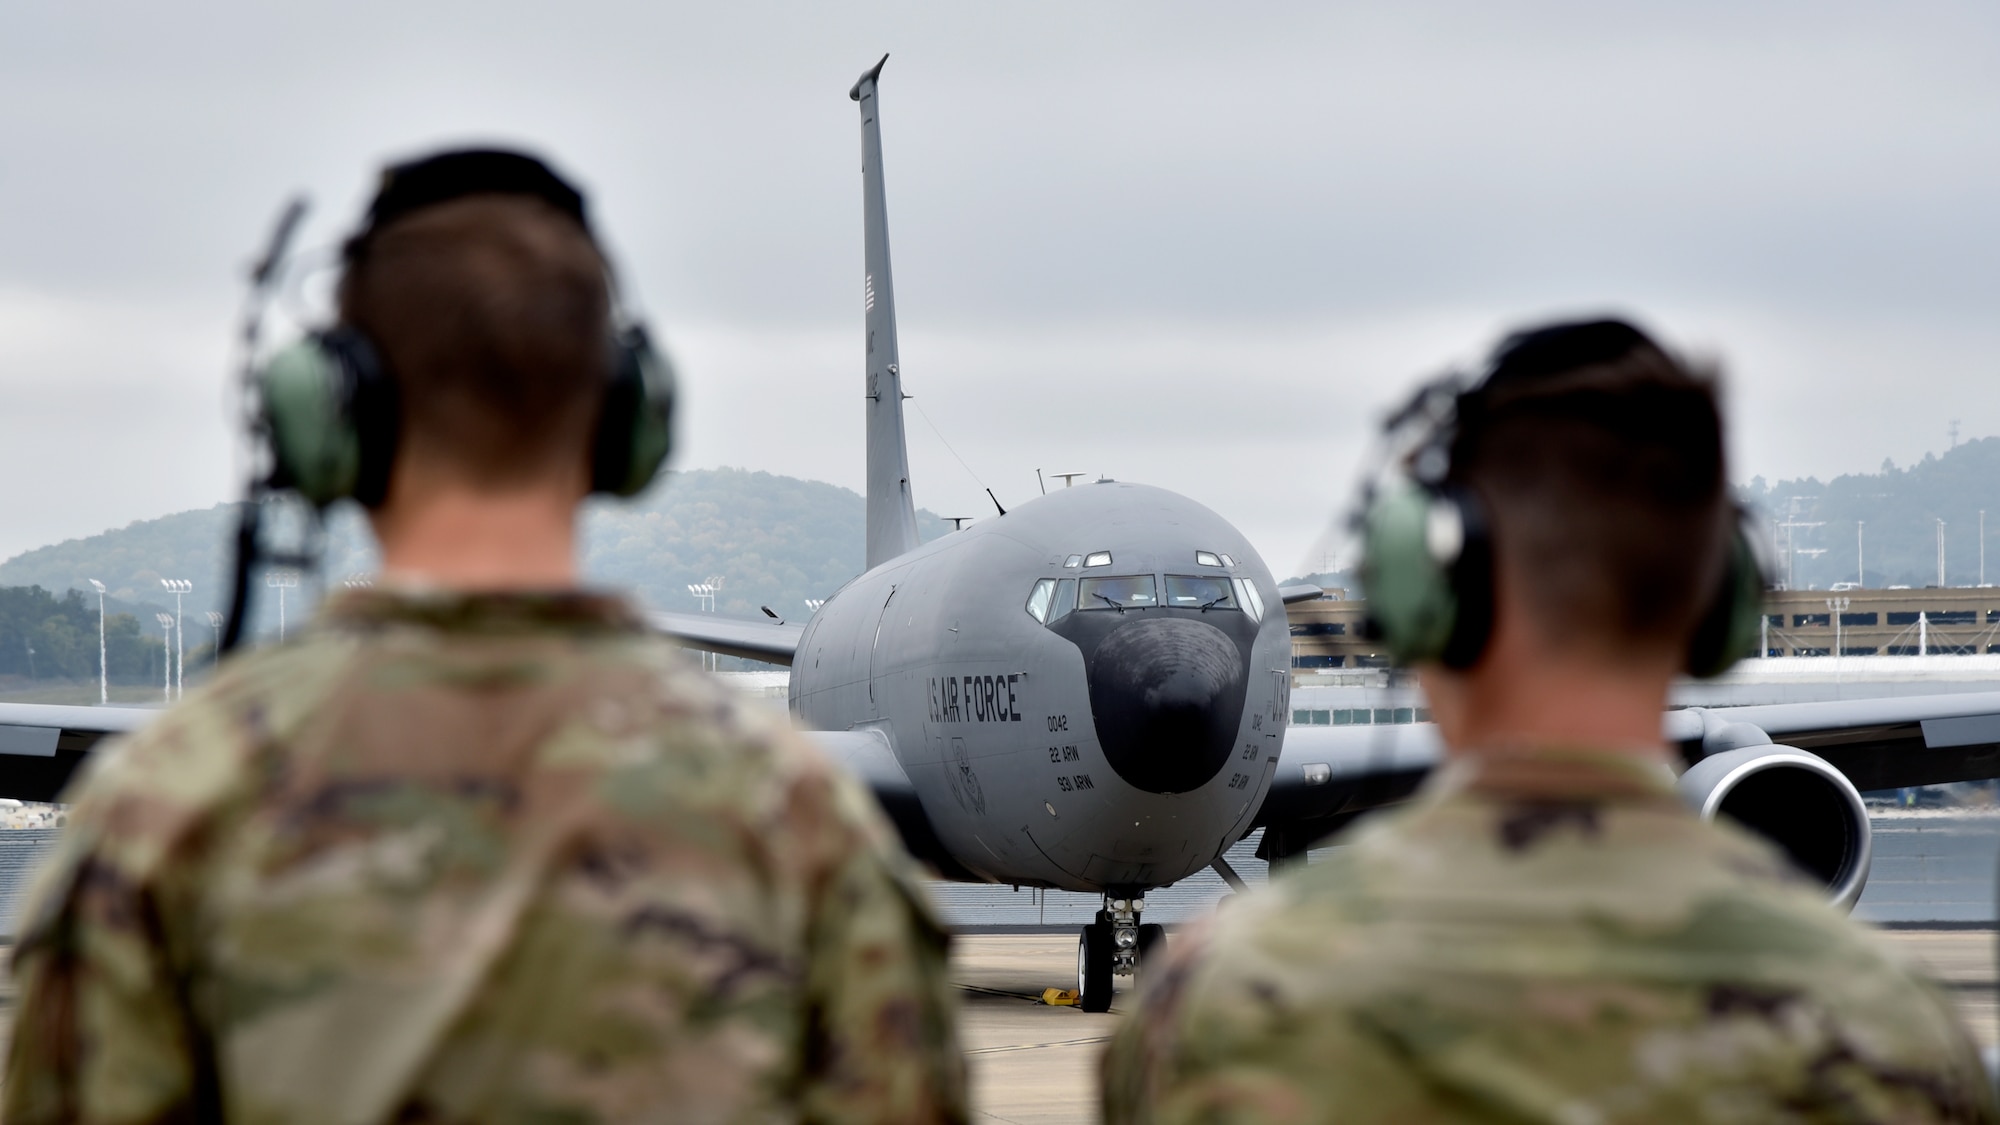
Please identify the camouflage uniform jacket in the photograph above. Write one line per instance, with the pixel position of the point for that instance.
(477, 858)
(1543, 936)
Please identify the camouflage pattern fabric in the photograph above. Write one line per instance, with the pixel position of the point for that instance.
(1544, 936)
(477, 858)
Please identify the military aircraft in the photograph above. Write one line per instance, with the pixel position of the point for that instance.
(1090, 691)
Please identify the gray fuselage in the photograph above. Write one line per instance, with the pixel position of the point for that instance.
(1113, 745)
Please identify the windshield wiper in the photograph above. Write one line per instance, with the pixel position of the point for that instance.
(1114, 603)
(1206, 606)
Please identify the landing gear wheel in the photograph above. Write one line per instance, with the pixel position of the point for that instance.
(1093, 968)
(1152, 943)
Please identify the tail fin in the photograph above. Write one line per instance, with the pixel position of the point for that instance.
(892, 513)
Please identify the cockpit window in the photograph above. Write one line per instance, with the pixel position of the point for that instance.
(1038, 599)
(1097, 558)
(1065, 602)
(1121, 594)
(1189, 592)
(1205, 558)
(1252, 602)
(1072, 562)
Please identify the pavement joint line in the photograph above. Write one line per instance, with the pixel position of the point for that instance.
(1039, 1046)
(980, 988)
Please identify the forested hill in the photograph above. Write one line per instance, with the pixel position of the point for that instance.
(778, 540)
(1900, 508)
(772, 540)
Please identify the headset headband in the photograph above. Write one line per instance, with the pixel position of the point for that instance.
(1540, 363)
(443, 177)
(1548, 362)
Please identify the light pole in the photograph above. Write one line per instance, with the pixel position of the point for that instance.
(103, 671)
(358, 581)
(813, 604)
(166, 621)
(1834, 608)
(215, 627)
(282, 580)
(1860, 554)
(177, 587)
(704, 593)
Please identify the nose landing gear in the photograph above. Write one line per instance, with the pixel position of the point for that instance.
(1115, 945)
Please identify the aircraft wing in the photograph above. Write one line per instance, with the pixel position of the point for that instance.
(41, 745)
(773, 642)
(1300, 592)
(1326, 776)
(1878, 743)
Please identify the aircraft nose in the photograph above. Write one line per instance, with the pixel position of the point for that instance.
(1167, 696)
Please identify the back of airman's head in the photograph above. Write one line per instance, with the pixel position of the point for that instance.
(492, 312)
(1599, 454)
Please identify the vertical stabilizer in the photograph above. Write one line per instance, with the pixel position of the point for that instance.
(892, 513)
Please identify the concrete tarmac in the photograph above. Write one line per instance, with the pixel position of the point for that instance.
(1032, 1064)
(1036, 1065)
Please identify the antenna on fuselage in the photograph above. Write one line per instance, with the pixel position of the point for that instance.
(957, 522)
(1068, 479)
(892, 511)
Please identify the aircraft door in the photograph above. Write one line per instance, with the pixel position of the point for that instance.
(875, 648)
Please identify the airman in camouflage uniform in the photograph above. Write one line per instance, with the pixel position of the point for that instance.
(1546, 936)
(467, 857)
(481, 846)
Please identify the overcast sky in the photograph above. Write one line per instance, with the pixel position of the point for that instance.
(1197, 245)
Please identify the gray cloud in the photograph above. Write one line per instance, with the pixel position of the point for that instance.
(1170, 242)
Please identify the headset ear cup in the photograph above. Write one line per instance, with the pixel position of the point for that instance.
(374, 411)
(1729, 626)
(1427, 569)
(303, 403)
(1411, 606)
(635, 424)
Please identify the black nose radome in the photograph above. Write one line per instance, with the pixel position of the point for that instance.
(1167, 695)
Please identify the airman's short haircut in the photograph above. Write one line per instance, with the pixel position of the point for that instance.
(491, 311)
(1599, 455)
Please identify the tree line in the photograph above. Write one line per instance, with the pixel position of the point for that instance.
(46, 636)
(1882, 528)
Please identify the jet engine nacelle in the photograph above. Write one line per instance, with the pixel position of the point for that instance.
(1797, 801)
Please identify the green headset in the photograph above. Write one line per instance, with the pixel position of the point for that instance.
(330, 405)
(1427, 549)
